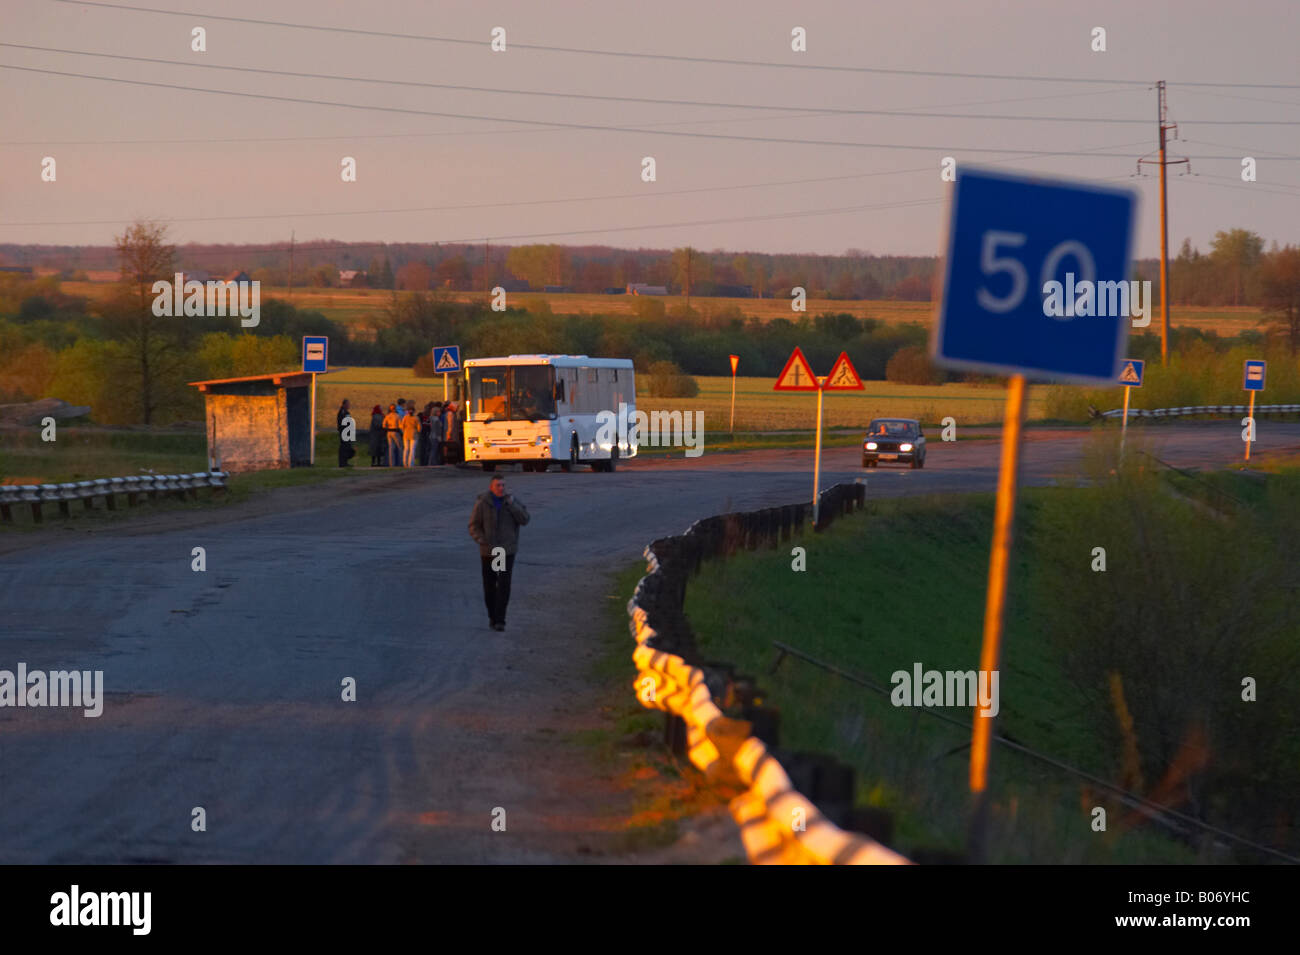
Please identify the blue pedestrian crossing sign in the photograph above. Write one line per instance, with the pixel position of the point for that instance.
(315, 353)
(1253, 376)
(1131, 373)
(446, 358)
(1036, 278)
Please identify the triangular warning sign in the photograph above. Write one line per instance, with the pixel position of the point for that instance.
(446, 362)
(1129, 375)
(797, 375)
(843, 376)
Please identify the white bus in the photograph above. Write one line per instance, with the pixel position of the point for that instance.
(536, 409)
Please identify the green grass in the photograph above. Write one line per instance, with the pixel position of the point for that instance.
(883, 591)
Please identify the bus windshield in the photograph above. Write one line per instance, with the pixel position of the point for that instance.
(511, 392)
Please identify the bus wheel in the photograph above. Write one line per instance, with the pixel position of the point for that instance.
(573, 461)
(489, 466)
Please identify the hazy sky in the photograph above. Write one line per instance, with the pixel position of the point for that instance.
(265, 188)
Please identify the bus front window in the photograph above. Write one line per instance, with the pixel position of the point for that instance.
(532, 394)
(511, 393)
(488, 393)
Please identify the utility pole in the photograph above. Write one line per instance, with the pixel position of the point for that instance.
(1161, 117)
(291, 238)
(487, 284)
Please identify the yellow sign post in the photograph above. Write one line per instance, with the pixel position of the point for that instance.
(735, 362)
(995, 608)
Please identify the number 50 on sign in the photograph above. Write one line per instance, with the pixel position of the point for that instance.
(1009, 237)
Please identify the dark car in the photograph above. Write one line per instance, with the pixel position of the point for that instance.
(894, 439)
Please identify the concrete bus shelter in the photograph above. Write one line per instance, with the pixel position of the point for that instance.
(259, 422)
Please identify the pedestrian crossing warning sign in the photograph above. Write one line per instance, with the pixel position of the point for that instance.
(797, 375)
(446, 358)
(1132, 373)
(843, 376)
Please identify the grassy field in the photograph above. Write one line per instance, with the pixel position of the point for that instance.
(758, 407)
(924, 560)
(362, 306)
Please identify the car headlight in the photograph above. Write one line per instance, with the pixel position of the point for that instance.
(871, 445)
(905, 447)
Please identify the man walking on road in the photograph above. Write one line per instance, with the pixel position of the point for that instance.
(495, 524)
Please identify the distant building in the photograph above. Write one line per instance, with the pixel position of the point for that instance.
(556, 288)
(353, 278)
(239, 278)
(733, 291)
(616, 290)
(640, 288)
(198, 275)
(258, 422)
(23, 270)
(515, 285)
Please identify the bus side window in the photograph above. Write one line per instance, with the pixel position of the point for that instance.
(559, 389)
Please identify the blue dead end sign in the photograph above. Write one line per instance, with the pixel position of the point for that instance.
(1253, 375)
(1011, 237)
(446, 358)
(315, 353)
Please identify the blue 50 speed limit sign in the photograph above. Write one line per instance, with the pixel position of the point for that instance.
(1010, 238)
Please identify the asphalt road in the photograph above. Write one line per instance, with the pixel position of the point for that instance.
(223, 688)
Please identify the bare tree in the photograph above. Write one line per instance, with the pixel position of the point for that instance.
(1280, 281)
(155, 343)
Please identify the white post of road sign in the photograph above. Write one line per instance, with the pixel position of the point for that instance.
(446, 359)
(735, 361)
(1131, 377)
(797, 375)
(1252, 380)
(1010, 239)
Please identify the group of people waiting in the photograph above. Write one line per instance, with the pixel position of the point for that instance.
(405, 437)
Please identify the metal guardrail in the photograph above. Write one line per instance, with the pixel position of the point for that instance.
(778, 824)
(152, 485)
(1201, 410)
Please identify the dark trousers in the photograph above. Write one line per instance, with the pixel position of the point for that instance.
(345, 452)
(496, 588)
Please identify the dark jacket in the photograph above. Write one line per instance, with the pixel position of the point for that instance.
(344, 415)
(489, 531)
(376, 435)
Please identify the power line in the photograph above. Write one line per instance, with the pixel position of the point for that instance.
(672, 57)
(795, 214)
(483, 132)
(823, 110)
(535, 202)
(527, 122)
(1253, 187)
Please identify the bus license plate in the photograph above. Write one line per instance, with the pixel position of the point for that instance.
(509, 450)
